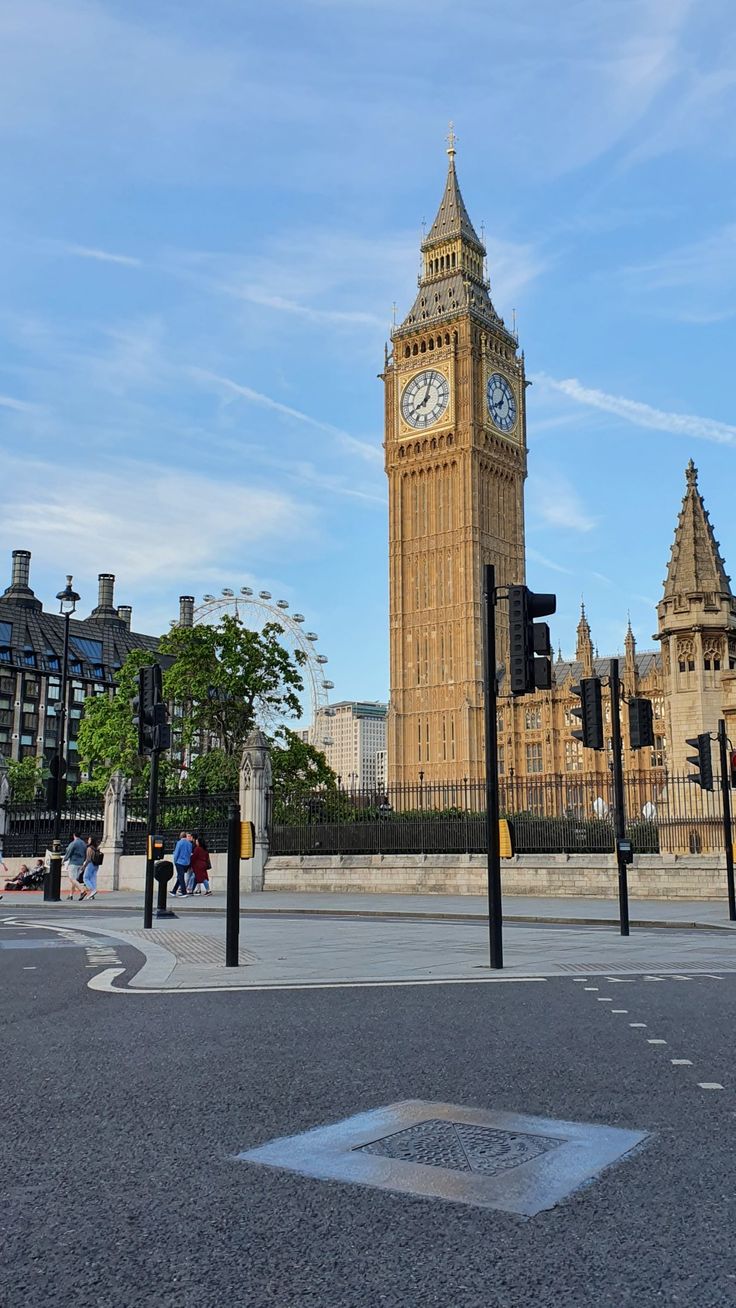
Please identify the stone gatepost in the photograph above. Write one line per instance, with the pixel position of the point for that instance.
(255, 805)
(113, 828)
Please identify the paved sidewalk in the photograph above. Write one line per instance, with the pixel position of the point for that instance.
(296, 945)
(517, 908)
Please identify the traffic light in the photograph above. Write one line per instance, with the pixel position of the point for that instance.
(590, 712)
(529, 643)
(149, 712)
(641, 723)
(702, 760)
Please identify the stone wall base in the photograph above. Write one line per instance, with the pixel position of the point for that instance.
(652, 876)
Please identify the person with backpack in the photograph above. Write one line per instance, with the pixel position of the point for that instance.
(93, 860)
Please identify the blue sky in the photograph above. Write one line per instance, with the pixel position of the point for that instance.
(207, 213)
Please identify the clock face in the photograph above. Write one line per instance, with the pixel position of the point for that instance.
(501, 402)
(425, 398)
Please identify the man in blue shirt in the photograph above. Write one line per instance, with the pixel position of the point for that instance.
(182, 862)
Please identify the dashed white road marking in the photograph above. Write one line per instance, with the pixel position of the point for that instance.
(682, 1062)
(591, 987)
(619, 1010)
(637, 1023)
(29, 969)
(677, 977)
(710, 1085)
(711, 977)
(580, 978)
(654, 978)
(656, 1042)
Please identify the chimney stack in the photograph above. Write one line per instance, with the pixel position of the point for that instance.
(186, 610)
(125, 614)
(21, 569)
(19, 591)
(105, 610)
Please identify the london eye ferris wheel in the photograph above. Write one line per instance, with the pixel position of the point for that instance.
(255, 609)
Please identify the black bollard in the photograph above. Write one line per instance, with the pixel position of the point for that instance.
(163, 872)
(232, 895)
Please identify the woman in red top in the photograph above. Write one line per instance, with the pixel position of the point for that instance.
(201, 866)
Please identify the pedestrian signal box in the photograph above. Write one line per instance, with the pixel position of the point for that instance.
(247, 839)
(505, 838)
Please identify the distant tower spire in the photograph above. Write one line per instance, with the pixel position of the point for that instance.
(584, 647)
(632, 678)
(451, 138)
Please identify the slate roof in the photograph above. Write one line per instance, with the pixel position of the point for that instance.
(562, 669)
(36, 640)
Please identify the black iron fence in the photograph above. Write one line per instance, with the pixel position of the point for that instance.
(29, 826)
(550, 814)
(200, 813)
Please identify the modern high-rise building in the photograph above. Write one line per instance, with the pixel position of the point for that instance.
(455, 455)
(352, 736)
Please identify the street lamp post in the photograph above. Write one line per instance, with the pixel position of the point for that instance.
(68, 600)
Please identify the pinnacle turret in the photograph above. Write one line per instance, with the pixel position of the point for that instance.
(695, 566)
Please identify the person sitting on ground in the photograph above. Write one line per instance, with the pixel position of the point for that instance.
(201, 865)
(16, 883)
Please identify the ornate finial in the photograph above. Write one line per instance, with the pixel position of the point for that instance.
(393, 313)
(691, 474)
(451, 138)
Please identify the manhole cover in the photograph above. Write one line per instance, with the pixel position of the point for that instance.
(500, 1160)
(462, 1147)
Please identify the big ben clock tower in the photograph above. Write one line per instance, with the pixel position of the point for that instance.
(455, 448)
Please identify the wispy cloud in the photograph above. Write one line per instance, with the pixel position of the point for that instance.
(20, 406)
(694, 282)
(372, 453)
(554, 502)
(644, 415)
(544, 562)
(102, 256)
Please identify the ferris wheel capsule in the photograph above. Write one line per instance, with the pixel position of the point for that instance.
(298, 617)
(282, 604)
(227, 592)
(246, 590)
(265, 594)
(312, 635)
(322, 658)
(208, 598)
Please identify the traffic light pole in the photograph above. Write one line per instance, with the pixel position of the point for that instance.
(619, 809)
(150, 860)
(727, 830)
(495, 907)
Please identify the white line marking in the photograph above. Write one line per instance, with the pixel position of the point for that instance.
(682, 1062)
(654, 978)
(710, 1085)
(103, 982)
(29, 969)
(602, 1000)
(711, 977)
(619, 1010)
(592, 987)
(677, 977)
(637, 1023)
(580, 978)
(656, 1042)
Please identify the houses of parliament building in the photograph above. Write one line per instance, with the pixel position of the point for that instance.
(456, 461)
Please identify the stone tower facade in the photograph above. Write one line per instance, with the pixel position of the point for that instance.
(696, 627)
(455, 456)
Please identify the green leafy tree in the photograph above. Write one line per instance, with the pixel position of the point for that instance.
(229, 678)
(24, 778)
(108, 741)
(298, 766)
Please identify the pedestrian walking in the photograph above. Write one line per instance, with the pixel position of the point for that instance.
(182, 862)
(201, 864)
(92, 861)
(72, 863)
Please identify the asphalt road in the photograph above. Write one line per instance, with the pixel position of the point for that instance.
(122, 1116)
